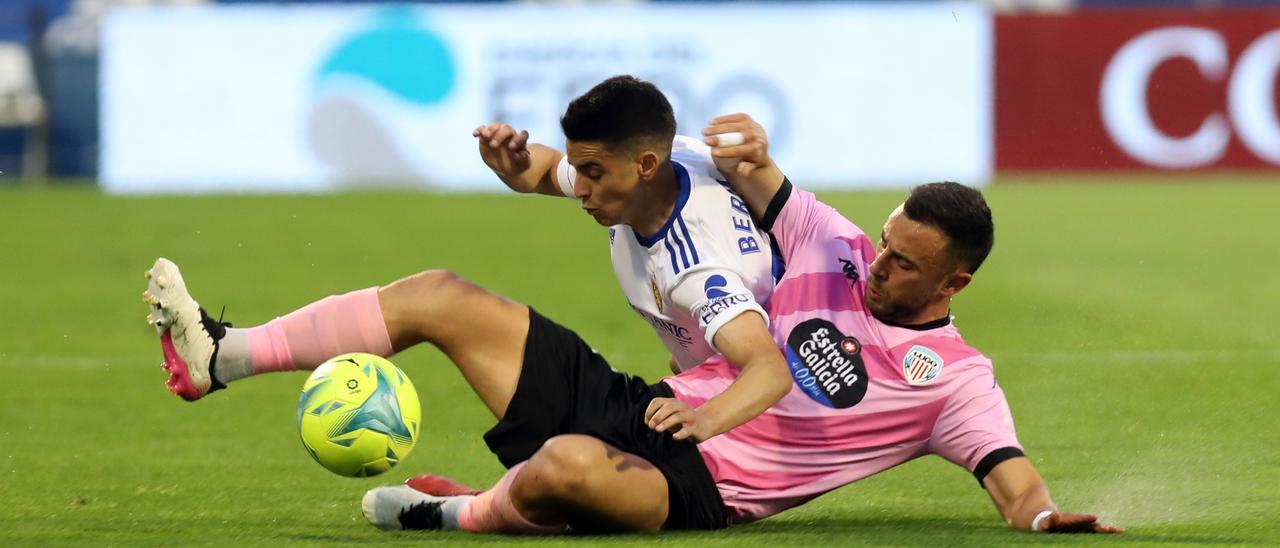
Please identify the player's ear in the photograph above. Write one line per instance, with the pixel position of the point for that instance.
(956, 281)
(648, 163)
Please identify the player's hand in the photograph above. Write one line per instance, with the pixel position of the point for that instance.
(670, 414)
(1063, 522)
(503, 149)
(744, 158)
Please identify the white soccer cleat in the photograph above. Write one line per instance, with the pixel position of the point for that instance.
(399, 507)
(188, 336)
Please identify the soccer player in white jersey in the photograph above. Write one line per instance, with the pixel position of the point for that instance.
(571, 429)
(684, 247)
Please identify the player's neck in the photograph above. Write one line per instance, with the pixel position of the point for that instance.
(654, 202)
(931, 315)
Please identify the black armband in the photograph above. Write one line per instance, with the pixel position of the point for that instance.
(775, 205)
(989, 462)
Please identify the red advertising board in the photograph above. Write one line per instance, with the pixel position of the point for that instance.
(1141, 89)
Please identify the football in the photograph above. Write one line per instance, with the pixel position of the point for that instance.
(358, 415)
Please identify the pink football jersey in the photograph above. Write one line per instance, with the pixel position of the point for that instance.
(867, 395)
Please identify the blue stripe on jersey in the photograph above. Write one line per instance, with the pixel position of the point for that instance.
(672, 253)
(682, 178)
(692, 250)
(684, 258)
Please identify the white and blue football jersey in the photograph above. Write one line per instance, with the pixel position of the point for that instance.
(705, 266)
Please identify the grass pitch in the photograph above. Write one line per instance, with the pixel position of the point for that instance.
(1133, 325)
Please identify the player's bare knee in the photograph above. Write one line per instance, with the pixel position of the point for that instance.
(412, 305)
(422, 294)
(563, 468)
(429, 284)
(572, 474)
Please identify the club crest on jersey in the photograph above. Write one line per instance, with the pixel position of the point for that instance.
(657, 295)
(827, 364)
(921, 365)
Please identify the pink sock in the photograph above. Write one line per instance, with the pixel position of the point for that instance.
(493, 512)
(305, 338)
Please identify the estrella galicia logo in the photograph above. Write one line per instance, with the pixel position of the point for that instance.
(715, 287)
(850, 271)
(827, 364)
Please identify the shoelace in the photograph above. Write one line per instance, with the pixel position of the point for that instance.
(217, 329)
(422, 515)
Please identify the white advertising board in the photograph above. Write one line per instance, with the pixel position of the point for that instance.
(316, 99)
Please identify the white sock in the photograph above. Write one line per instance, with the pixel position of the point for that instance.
(450, 510)
(233, 361)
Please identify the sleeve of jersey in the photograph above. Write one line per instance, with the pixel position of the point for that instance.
(794, 217)
(975, 429)
(694, 152)
(565, 175)
(714, 295)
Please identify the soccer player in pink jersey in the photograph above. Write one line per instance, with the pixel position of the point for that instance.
(882, 375)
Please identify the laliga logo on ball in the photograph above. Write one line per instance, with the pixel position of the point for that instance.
(1250, 97)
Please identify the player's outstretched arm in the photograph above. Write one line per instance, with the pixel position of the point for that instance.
(740, 148)
(525, 167)
(746, 343)
(1022, 497)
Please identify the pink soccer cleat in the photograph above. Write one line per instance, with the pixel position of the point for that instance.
(188, 336)
(440, 486)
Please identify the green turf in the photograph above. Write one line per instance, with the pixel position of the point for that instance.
(1133, 325)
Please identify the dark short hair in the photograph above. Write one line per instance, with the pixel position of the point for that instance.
(961, 213)
(620, 112)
